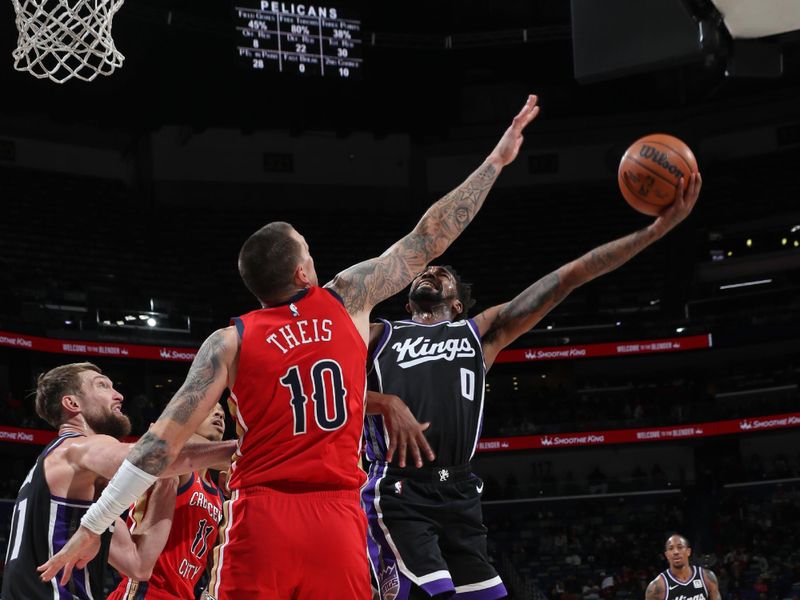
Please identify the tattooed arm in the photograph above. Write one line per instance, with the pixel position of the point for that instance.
(655, 590)
(366, 284)
(501, 325)
(205, 383)
(712, 583)
(207, 379)
(103, 455)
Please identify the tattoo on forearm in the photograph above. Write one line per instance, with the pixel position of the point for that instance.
(150, 454)
(202, 374)
(524, 311)
(609, 256)
(372, 281)
(532, 304)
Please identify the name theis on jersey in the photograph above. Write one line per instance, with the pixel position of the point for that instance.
(303, 331)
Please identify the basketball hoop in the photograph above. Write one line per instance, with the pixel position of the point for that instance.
(62, 39)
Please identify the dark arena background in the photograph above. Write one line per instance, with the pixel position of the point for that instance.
(662, 397)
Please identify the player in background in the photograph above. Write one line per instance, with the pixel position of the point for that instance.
(198, 512)
(294, 525)
(682, 580)
(426, 527)
(81, 402)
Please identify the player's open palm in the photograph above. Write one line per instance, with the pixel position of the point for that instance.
(406, 434)
(82, 547)
(685, 198)
(508, 146)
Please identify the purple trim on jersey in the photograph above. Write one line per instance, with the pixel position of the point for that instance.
(368, 504)
(382, 557)
(86, 503)
(376, 447)
(703, 581)
(64, 514)
(387, 332)
(440, 586)
(471, 323)
(59, 439)
(474, 326)
(666, 586)
(676, 580)
(79, 577)
(492, 593)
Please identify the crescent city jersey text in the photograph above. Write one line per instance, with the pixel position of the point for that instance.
(438, 371)
(693, 588)
(298, 400)
(195, 522)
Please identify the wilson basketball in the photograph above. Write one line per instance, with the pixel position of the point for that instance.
(650, 170)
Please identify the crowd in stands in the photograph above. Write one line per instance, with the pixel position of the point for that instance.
(604, 548)
(537, 400)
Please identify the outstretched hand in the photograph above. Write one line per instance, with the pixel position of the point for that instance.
(406, 434)
(508, 146)
(82, 547)
(685, 198)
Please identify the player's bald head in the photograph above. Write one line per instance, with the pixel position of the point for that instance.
(267, 260)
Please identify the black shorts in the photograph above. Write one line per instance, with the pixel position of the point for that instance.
(426, 530)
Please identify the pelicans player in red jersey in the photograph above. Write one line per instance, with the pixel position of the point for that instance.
(198, 512)
(293, 527)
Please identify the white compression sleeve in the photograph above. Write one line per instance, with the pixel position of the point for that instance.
(124, 489)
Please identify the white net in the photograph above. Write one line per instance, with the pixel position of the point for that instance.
(62, 39)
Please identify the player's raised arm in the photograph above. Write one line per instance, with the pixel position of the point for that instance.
(158, 448)
(364, 285)
(502, 324)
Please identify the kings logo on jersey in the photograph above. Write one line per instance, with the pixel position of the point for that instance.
(414, 351)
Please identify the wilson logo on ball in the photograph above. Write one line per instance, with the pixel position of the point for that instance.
(661, 159)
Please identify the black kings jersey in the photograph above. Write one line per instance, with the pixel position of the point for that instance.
(40, 526)
(438, 371)
(692, 589)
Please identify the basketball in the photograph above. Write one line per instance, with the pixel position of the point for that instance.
(650, 170)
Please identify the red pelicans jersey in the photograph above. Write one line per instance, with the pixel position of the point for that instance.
(198, 511)
(298, 400)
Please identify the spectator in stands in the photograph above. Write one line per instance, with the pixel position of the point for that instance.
(591, 591)
(598, 481)
(607, 585)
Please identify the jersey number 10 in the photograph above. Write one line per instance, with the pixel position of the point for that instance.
(319, 396)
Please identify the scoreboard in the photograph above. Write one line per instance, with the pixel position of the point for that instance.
(305, 39)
